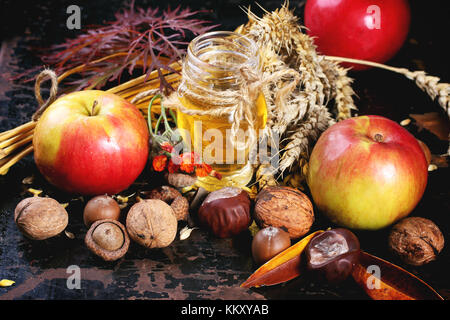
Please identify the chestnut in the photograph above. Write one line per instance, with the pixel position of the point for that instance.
(226, 212)
(100, 208)
(332, 254)
(268, 242)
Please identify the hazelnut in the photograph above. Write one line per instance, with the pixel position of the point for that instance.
(40, 218)
(173, 198)
(152, 223)
(226, 212)
(268, 242)
(100, 208)
(108, 239)
(286, 208)
(416, 241)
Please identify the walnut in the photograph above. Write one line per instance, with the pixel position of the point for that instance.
(416, 241)
(152, 223)
(40, 218)
(286, 208)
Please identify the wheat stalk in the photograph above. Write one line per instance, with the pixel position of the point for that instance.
(297, 118)
(427, 83)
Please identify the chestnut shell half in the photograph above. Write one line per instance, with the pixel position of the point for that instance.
(332, 254)
(226, 212)
(104, 253)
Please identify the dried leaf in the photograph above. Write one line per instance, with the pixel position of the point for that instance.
(28, 180)
(122, 199)
(405, 122)
(6, 283)
(69, 234)
(34, 192)
(281, 268)
(186, 232)
(433, 122)
(253, 229)
(138, 40)
(382, 280)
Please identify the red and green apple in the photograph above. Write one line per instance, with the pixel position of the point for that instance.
(367, 172)
(91, 142)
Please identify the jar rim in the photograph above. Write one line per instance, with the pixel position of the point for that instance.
(251, 49)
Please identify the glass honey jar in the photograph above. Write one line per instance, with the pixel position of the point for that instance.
(214, 90)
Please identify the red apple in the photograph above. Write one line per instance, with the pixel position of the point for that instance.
(367, 172)
(371, 30)
(91, 142)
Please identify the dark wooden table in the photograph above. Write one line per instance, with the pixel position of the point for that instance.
(200, 267)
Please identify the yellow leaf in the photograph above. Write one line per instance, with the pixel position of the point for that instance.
(35, 192)
(6, 283)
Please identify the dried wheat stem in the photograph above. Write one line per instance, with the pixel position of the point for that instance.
(427, 83)
(4, 166)
(145, 79)
(17, 138)
(17, 131)
(9, 150)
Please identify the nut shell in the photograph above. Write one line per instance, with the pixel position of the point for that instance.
(103, 239)
(416, 241)
(226, 212)
(332, 254)
(180, 180)
(152, 223)
(286, 208)
(172, 197)
(40, 218)
(100, 208)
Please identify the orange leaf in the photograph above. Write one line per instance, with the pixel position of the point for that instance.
(433, 122)
(281, 268)
(382, 280)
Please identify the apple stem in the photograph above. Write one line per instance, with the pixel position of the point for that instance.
(378, 137)
(93, 107)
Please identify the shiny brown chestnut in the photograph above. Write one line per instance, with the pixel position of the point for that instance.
(332, 254)
(268, 242)
(226, 212)
(100, 208)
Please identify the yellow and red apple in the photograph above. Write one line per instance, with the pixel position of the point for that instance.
(91, 142)
(367, 172)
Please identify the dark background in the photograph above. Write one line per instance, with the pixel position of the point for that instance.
(200, 267)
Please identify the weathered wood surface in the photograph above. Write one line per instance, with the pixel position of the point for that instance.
(201, 267)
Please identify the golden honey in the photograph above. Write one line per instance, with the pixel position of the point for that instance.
(211, 80)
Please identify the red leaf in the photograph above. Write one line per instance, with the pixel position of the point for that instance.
(392, 283)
